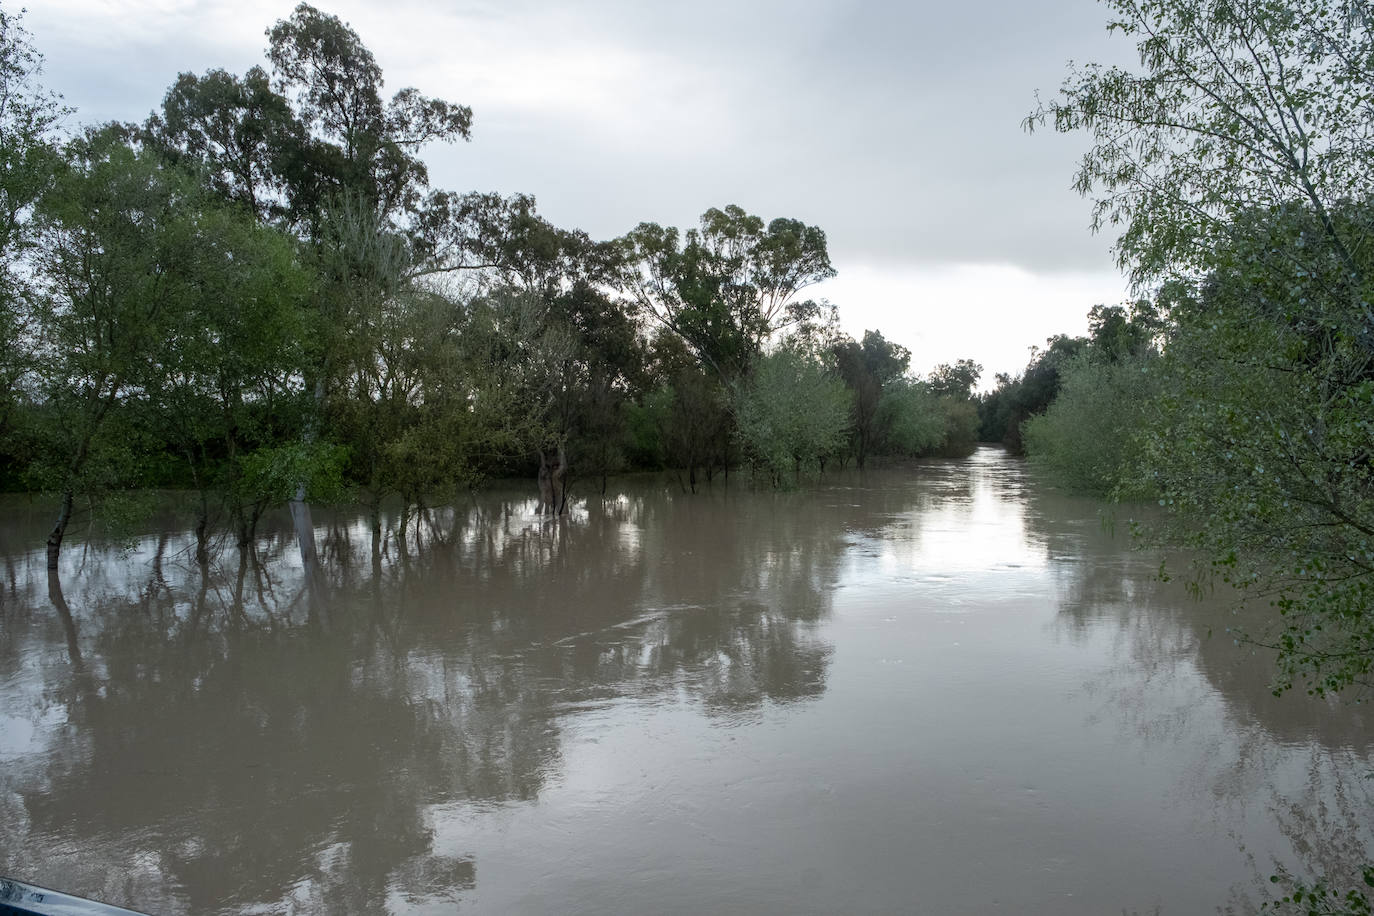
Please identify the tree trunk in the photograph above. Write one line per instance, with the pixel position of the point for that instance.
(237, 609)
(545, 485)
(305, 531)
(559, 479)
(59, 530)
(375, 512)
(203, 531)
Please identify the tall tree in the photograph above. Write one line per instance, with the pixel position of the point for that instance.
(238, 130)
(29, 161)
(228, 359)
(115, 230)
(1237, 162)
(358, 142)
(867, 368)
(728, 286)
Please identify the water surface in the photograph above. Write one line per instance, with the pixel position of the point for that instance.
(945, 689)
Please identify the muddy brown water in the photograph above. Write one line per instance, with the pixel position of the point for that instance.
(945, 689)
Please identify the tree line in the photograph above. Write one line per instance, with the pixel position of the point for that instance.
(258, 296)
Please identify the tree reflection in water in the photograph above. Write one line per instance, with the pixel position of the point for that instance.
(222, 739)
(514, 713)
(1294, 769)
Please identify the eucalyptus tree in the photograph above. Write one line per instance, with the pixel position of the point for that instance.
(318, 150)
(577, 347)
(357, 142)
(727, 287)
(1237, 162)
(239, 132)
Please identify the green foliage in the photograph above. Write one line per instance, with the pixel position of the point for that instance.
(257, 291)
(729, 286)
(272, 474)
(28, 163)
(1238, 165)
(793, 414)
(1262, 445)
(1003, 411)
(353, 140)
(913, 418)
(867, 369)
(957, 380)
(1241, 106)
(1321, 899)
(647, 420)
(960, 427)
(116, 268)
(1088, 439)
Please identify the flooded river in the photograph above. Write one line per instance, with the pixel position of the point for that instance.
(942, 690)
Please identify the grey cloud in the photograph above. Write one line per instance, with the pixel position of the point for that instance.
(895, 126)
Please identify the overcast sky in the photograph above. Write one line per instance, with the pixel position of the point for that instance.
(895, 126)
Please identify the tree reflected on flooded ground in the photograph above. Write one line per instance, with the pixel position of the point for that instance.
(1290, 775)
(939, 686)
(224, 738)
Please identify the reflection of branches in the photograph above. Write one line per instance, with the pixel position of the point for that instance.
(250, 758)
(1325, 823)
(1179, 680)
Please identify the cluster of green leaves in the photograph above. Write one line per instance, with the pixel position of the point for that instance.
(1320, 899)
(794, 412)
(1088, 436)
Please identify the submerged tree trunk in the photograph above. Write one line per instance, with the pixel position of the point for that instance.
(248, 525)
(553, 483)
(59, 603)
(59, 530)
(203, 531)
(545, 480)
(559, 476)
(403, 524)
(305, 530)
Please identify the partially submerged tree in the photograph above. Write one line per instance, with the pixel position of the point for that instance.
(29, 161)
(115, 231)
(1237, 163)
(867, 369)
(794, 412)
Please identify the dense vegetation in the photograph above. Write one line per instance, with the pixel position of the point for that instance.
(1240, 395)
(257, 295)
